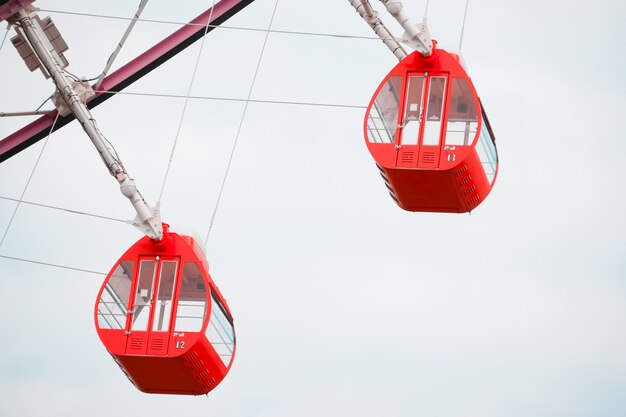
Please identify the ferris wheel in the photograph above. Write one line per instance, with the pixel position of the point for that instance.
(159, 313)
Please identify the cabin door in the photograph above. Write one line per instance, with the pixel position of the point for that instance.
(430, 140)
(421, 122)
(411, 121)
(152, 305)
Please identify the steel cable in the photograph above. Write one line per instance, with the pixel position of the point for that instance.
(243, 116)
(6, 231)
(182, 116)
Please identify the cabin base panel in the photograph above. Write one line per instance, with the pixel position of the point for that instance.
(187, 374)
(456, 190)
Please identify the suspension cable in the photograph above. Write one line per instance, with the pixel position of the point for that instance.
(32, 261)
(243, 116)
(170, 22)
(17, 206)
(120, 44)
(5, 36)
(47, 206)
(463, 26)
(187, 97)
(233, 99)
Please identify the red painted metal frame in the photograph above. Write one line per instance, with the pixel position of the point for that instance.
(454, 185)
(126, 75)
(187, 362)
(9, 7)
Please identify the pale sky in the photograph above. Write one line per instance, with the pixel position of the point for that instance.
(344, 304)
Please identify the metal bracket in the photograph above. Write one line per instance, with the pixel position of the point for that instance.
(416, 34)
(83, 91)
(50, 38)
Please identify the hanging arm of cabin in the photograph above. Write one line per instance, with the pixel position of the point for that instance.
(416, 35)
(71, 97)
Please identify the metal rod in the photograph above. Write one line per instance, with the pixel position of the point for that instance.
(364, 9)
(24, 113)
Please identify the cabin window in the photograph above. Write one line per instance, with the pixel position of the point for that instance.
(192, 301)
(113, 304)
(143, 295)
(163, 306)
(486, 149)
(413, 110)
(462, 114)
(434, 111)
(220, 331)
(383, 117)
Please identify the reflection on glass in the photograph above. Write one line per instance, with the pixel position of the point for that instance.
(143, 295)
(487, 151)
(413, 110)
(192, 301)
(383, 117)
(113, 304)
(462, 115)
(163, 312)
(434, 111)
(220, 332)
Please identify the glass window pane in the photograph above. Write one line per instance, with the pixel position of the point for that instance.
(434, 111)
(113, 304)
(486, 149)
(382, 120)
(143, 296)
(413, 110)
(462, 114)
(192, 301)
(220, 332)
(461, 133)
(163, 312)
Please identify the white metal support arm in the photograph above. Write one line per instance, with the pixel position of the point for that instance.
(148, 219)
(415, 34)
(364, 9)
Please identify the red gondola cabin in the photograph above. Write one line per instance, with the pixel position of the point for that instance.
(430, 137)
(161, 317)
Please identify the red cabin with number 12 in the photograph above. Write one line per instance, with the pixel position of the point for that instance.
(161, 317)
